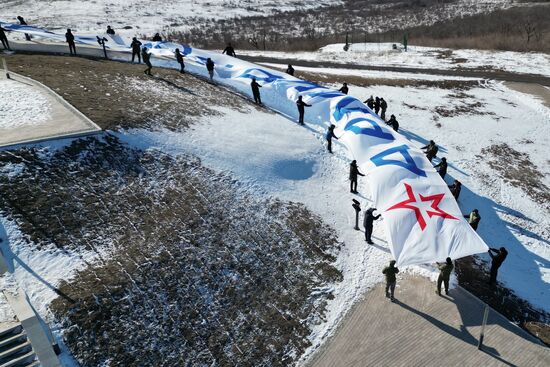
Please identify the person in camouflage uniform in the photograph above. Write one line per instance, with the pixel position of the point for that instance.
(391, 280)
(445, 271)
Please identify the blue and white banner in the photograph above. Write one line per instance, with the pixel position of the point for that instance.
(422, 219)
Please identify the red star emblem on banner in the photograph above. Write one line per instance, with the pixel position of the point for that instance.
(435, 199)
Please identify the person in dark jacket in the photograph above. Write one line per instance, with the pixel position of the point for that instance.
(393, 123)
(256, 91)
(383, 107)
(110, 31)
(370, 102)
(368, 221)
(344, 88)
(23, 22)
(473, 219)
(157, 38)
(353, 173)
(290, 70)
(136, 49)
(4, 38)
(441, 167)
(455, 189)
(391, 280)
(445, 271)
(498, 257)
(301, 109)
(179, 59)
(229, 50)
(329, 136)
(377, 105)
(147, 60)
(69, 37)
(210, 68)
(431, 150)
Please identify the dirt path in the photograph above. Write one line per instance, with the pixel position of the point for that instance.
(536, 90)
(469, 73)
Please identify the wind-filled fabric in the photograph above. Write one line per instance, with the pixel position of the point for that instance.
(422, 219)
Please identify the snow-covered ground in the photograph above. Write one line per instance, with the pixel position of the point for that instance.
(143, 16)
(21, 105)
(383, 54)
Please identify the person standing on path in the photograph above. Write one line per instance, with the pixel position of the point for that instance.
(23, 22)
(329, 136)
(256, 91)
(383, 107)
(498, 258)
(301, 109)
(4, 38)
(391, 279)
(290, 70)
(136, 49)
(368, 222)
(179, 59)
(445, 271)
(441, 167)
(473, 219)
(210, 68)
(344, 88)
(377, 105)
(147, 60)
(69, 37)
(353, 173)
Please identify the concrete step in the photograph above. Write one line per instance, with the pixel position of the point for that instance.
(12, 338)
(9, 329)
(15, 349)
(19, 360)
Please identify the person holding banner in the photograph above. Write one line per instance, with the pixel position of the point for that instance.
(473, 219)
(210, 68)
(368, 222)
(301, 110)
(329, 136)
(256, 91)
(136, 49)
(4, 38)
(179, 59)
(445, 271)
(69, 37)
(147, 60)
(353, 173)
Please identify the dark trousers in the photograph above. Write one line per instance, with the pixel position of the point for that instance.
(27, 36)
(391, 288)
(441, 279)
(383, 115)
(72, 48)
(257, 98)
(134, 54)
(182, 67)
(149, 67)
(353, 185)
(376, 110)
(493, 276)
(5, 43)
(211, 73)
(329, 145)
(368, 233)
(301, 117)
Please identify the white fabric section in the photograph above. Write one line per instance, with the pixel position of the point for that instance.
(426, 225)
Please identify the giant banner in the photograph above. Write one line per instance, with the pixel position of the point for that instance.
(422, 219)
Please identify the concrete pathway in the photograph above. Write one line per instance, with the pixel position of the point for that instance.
(539, 91)
(64, 120)
(423, 329)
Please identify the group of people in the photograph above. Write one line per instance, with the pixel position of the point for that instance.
(4, 37)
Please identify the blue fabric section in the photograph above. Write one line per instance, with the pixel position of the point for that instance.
(409, 162)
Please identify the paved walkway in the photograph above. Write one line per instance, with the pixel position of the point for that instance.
(64, 120)
(537, 90)
(423, 329)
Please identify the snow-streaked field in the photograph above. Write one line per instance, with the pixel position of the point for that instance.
(144, 16)
(383, 54)
(21, 105)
